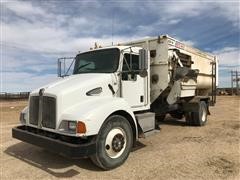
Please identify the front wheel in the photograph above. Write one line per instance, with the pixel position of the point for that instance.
(114, 143)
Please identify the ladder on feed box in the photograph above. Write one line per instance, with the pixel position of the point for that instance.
(214, 84)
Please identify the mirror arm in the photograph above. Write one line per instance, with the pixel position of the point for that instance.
(70, 66)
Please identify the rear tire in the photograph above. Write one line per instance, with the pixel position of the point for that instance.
(114, 143)
(189, 118)
(198, 118)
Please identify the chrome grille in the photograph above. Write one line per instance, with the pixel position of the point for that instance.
(33, 110)
(48, 111)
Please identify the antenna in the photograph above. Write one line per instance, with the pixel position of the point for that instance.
(112, 26)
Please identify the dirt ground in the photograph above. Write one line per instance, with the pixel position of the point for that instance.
(176, 152)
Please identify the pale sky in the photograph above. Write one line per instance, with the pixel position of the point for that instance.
(35, 33)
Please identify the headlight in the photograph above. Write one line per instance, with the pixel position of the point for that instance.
(72, 125)
(68, 126)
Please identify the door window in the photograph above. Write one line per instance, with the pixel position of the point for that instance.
(130, 67)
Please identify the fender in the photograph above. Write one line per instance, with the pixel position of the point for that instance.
(95, 111)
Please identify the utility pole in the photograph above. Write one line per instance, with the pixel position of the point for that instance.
(232, 81)
(235, 78)
(237, 85)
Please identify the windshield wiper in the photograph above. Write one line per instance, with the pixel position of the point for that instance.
(82, 66)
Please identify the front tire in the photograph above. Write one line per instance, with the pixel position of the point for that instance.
(114, 143)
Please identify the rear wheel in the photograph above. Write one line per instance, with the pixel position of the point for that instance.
(189, 118)
(198, 118)
(114, 143)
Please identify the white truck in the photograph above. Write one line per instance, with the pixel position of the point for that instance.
(116, 95)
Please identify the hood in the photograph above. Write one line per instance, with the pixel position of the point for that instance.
(72, 90)
(78, 82)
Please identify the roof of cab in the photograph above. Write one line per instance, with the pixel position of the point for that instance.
(109, 47)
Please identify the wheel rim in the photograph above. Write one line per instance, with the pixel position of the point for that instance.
(204, 115)
(115, 142)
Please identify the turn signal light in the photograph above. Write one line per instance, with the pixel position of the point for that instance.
(81, 127)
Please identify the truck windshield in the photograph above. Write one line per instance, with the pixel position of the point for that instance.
(99, 61)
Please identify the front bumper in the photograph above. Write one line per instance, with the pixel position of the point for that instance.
(54, 143)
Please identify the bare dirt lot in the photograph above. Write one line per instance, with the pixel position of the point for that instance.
(177, 152)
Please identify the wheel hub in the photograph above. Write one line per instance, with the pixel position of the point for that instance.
(118, 142)
(115, 143)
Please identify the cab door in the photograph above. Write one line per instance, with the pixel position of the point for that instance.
(133, 85)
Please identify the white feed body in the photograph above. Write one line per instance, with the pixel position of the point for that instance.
(161, 63)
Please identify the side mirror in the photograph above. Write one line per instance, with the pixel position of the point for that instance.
(143, 59)
(64, 66)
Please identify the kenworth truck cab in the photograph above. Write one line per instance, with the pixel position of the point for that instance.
(116, 95)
